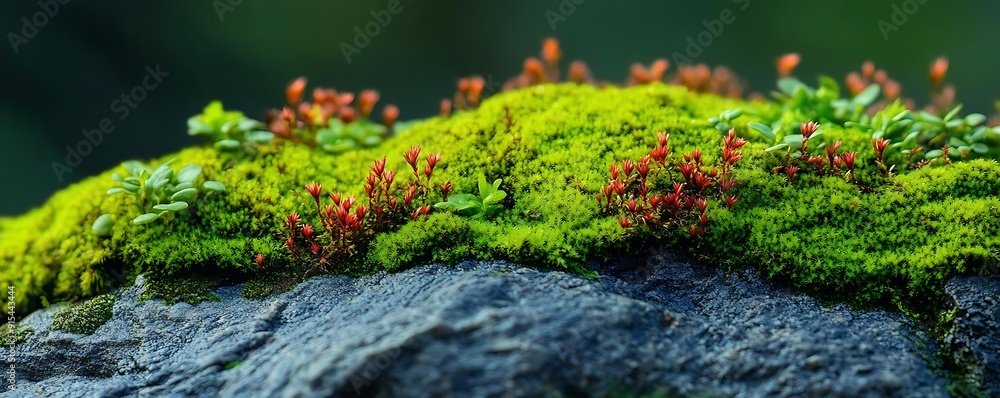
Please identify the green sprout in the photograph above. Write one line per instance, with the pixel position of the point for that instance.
(339, 137)
(159, 193)
(484, 206)
(229, 129)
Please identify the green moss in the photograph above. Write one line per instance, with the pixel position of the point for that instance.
(233, 364)
(894, 242)
(270, 283)
(175, 289)
(18, 334)
(85, 318)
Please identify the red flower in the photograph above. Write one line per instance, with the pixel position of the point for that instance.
(346, 115)
(808, 128)
(366, 102)
(291, 243)
(625, 222)
(662, 138)
(314, 189)
(293, 93)
(791, 170)
(379, 167)
(314, 248)
(614, 171)
(848, 159)
(259, 259)
(787, 63)
(879, 144)
(446, 188)
(293, 219)
(336, 197)
(938, 69)
(361, 211)
(703, 220)
(307, 231)
(830, 150)
(731, 201)
(628, 167)
(389, 115)
(445, 107)
(551, 52)
(411, 157)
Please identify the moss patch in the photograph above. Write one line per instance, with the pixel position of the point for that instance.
(891, 243)
(85, 318)
(18, 334)
(271, 283)
(188, 289)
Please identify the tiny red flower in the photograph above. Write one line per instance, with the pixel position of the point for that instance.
(259, 259)
(787, 63)
(791, 170)
(628, 167)
(625, 222)
(695, 231)
(703, 220)
(446, 188)
(314, 248)
(879, 144)
(848, 159)
(808, 128)
(701, 203)
(662, 138)
(307, 231)
(293, 219)
(938, 69)
(731, 201)
(830, 150)
(614, 171)
(411, 157)
(445, 107)
(366, 102)
(346, 115)
(314, 189)
(432, 160)
(336, 197)
(294, 91)
(361, 211)
(389, 115)
(291, 243)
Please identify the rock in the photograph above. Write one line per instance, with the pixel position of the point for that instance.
(973, 339)
(490, 329)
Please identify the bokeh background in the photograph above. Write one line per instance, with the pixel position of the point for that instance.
(65, 78)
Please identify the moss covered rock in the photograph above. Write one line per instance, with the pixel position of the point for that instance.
(551, 144)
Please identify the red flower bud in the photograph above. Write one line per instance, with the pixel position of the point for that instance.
(366, 102)
(293, 219)
(293, 93)
(389, 115)
(291, 243)
(625, 222)
(307, 231)
(830, 150)
(703, 220)
(808, 128)
(938, 70)
(379, 167)
(335, 197)
(411, 157)
(662, 138)
(731, 201)
(787, 63)
(445, 107)
(432, 160)
(314, 189)
(361, 211)
(314, 248)
(346, 115)
(259, 259)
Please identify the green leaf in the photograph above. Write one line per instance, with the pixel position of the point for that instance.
(930, 118)
(763, 129)
(197, 127)
(227, 145)
(117, 177)
(868, 96)
(732, 114)
(113, 191)
(954, 112)
(485, 189)
(186, 195)
(173, 206)
(494, 198)
(189, 173)
(133, 188)
(145, 218)
(975, 119)
(934, 154)
(102, 226)
(789, 85)
(135, 168)
(980, 148)
(459, 202)
(776, 147)
(214, 185)
(260, 137)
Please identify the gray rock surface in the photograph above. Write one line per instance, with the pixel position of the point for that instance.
(973, 341)
(489, 329)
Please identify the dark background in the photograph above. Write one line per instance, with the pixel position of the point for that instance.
(88, 54)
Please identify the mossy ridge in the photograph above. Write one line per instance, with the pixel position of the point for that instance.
(192, 289)
(551, 144)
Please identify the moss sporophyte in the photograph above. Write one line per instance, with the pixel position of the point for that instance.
(860, 196)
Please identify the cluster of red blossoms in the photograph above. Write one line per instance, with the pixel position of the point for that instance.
(831, 164)
(299, 116)
(630, 186)
(348, 225)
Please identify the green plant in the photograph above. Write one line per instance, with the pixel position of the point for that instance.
(85, 318)
(16, 334)
(229, 129)
(724, 122)
(484, 206)
(191, 289)
(338, 137)
(159, 193)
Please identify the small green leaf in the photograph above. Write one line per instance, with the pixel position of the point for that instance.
(102, 226)
(260, 137)
(980, 148)
(173, 206)
(934, 154)
(776, 147)
(145, 218)
(790, 85)
(113, 191)
(133, 188)
(494, 198)
(975, 119)
(732, 114)
(763, 129)
(185, 195)
(214, 185)
(868, 96)
(189, 173)
(227, 145)
(954, 112)
(459, 202)
(485, 189)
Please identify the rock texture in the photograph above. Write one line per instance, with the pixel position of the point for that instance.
(489, 330)
(973, 340)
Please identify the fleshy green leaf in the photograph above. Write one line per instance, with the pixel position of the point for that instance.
(214, 185)
(228, 144)
(102, 226)
(145, 218)
(186, 195)
(868, 96)
(189, 173)
(173, 206)
(763, 129)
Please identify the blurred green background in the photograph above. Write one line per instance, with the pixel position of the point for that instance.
(84, 57)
